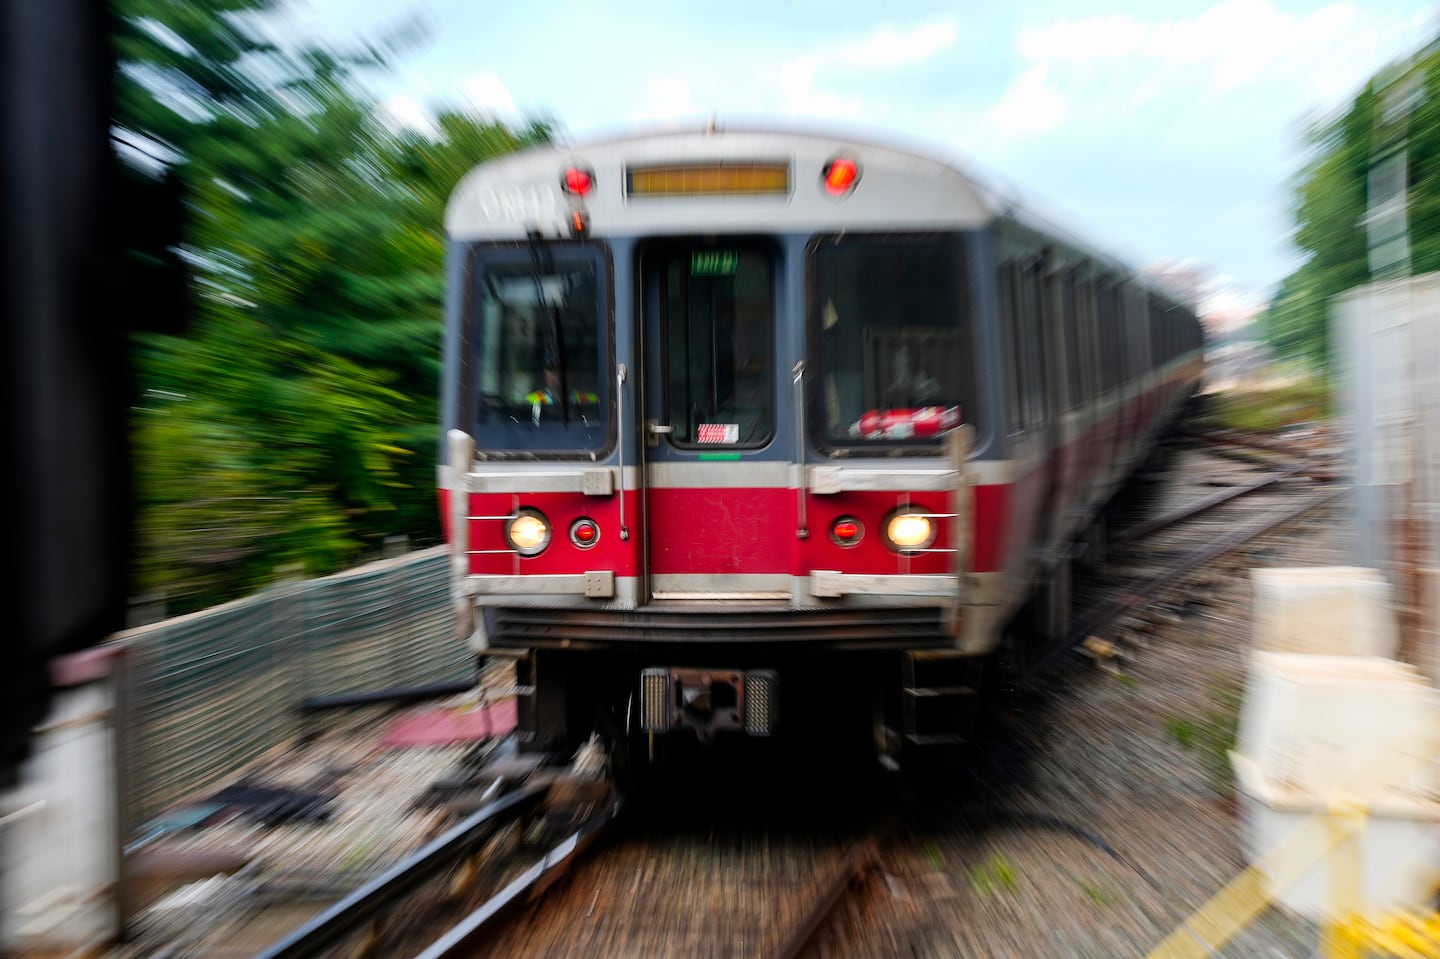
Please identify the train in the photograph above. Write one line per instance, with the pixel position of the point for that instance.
(769, 436)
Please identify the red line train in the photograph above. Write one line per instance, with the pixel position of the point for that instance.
(777, 435)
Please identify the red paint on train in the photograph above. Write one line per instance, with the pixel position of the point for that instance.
(561, 556)
(720, 530)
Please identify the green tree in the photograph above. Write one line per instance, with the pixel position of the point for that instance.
(1330, 204)
(295, 422)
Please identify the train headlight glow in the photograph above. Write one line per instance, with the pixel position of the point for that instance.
(907, 530)
(528, 533)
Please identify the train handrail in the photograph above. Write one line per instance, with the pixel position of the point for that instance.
(620, 376)
(802, 531)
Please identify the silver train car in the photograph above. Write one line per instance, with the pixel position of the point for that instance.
(776, 435)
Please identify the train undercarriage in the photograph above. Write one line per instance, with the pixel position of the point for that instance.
(834, 688)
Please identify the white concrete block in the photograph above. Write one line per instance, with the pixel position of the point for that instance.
(1325, 610)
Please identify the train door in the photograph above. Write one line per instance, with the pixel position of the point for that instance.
(718, 511)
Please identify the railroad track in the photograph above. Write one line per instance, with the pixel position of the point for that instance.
(715, 880)
(712, 882)
(482, 923)
(601, 887)
(1090, 840)
(1157, 556)
(519, 840)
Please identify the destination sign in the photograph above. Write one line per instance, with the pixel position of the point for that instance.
(713, 262)
(708, 179)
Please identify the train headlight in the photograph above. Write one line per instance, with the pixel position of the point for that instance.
(908, 530)
(528, 533)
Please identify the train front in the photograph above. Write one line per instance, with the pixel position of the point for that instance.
(714, 438)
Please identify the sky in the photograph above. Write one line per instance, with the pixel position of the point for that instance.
(1162, 130)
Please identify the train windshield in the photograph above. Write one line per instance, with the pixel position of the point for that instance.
(894, 338)
(539, 345)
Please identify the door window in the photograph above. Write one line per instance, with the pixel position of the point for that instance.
(719, 346)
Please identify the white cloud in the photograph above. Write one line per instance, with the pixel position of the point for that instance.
(1030, 105)
(490, 96)
(400, 112)
(799, 96)
(1249, 59)
(802, 94)
(1232, 43)
(1093, 38)
(666, 96)
(885, 48)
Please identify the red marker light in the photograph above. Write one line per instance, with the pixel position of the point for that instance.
(846, 531)
(578, 181)
(584, 533)
(840, 176)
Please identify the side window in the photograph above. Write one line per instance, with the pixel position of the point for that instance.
(1159, 349)
(1014, 347)
(1070, 321)
(1033, 358)
(1111, 342)
(1137, 332)
(1088, 349)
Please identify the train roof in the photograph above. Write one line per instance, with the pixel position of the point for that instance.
(902, 187)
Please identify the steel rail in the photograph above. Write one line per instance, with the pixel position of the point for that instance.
(1106, 614)
(1140, 530)
(360, 906)
(527, 886)
(1244, 441)
(859, 863)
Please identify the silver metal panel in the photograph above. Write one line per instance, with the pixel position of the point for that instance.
(827, 583)
(624, 598)
(732, 585)
(897, 189)
(600, 584)
(768, 474)
(981, 631)
(983, 589)
(991, 472)
(598, 481)
(739, 474)
(826, 480)
(535, 584)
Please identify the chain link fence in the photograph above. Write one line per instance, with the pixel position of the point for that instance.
(201, 695)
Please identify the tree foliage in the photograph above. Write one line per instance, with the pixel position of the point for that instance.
(295, 422)
(1330, 203)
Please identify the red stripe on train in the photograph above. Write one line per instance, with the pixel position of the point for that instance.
(721, 530)
(718, 531)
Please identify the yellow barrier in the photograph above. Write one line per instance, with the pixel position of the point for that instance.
(1242, 899)
(1405, 935)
